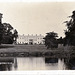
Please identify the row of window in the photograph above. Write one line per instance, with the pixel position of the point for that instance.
(29, 43)
(28, 38)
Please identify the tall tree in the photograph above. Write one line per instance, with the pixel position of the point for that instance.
(1, 28)
(50, 40)
(10, 34)
(1, 32)
(70, 31)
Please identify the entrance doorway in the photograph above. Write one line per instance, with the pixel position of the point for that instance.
(31, 41)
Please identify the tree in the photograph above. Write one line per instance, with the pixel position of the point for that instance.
(70, 31)
(15, 35)
(7, 33)
(60, 40)
(1, 28)
(10, 34)
(1, 32)
(50, 40)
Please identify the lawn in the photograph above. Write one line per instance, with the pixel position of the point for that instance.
(34, 50)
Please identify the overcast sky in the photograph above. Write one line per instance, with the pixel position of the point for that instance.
(37, 18)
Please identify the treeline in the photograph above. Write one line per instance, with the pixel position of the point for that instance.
(51, 40)
(8, 34)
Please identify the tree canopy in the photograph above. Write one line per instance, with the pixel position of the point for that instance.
(70, 31)
(50, 40)
(10, 34)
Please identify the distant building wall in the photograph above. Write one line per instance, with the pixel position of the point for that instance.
(30, 39)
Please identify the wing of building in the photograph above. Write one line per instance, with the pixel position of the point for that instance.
(30, 39)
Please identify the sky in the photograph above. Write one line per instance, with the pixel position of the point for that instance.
(37, 17)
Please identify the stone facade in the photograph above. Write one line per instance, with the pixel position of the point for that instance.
(30, 39)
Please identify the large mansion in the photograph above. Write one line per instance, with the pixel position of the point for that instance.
(30, 39)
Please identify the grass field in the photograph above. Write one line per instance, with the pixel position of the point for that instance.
(22, 48)
(34, 50)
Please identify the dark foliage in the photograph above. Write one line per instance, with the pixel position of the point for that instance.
(70, 31)
(60, 40)
(10, 34)
(50, 40)
(1, 32)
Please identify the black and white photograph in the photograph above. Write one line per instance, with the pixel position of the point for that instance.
(37, 36)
